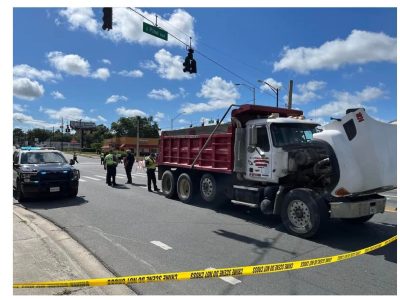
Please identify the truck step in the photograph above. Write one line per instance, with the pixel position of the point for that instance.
(252, 205)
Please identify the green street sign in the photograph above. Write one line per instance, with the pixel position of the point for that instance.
(153, 30)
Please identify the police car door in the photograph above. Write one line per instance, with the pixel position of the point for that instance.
(258, 153)
(15, 167)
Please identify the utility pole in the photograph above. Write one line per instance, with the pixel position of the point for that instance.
(290, 94)
(62, 134)
(137, 137)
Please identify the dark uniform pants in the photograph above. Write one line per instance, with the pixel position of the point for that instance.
(111, 172)
(151, 176)
(128, 170)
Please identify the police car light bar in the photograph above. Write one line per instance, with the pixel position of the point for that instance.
(31, 148)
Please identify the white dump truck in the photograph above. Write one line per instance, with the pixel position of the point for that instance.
(273, 159)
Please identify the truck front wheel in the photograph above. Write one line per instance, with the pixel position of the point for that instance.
(168, 184)
(301, 213)
(185, 188)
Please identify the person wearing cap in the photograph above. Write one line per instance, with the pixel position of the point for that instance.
(110, 162)
(129, 159)
(151, 165)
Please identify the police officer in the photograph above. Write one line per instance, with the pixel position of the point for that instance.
(129, 159)
(150, 162)
(110, 163)
(101, 158)
(75, 158)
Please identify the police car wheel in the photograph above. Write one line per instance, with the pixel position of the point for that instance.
(19, 195)
(73, 193)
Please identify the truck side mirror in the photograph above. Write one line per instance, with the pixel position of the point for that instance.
(253, 136)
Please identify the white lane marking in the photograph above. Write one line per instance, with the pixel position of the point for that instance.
(104, 177)
(92, 178)
(228, 279)
(161, 245)
(121, 177)
(82, 180)
(144, 187)
(139, 175)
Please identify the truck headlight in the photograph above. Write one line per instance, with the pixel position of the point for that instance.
(27, 177)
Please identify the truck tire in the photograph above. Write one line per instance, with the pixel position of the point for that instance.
(210, 192)
(301, 213)
(359, 220)
(185, 188)
(168, 184)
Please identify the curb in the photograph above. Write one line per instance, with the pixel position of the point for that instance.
(80, 259)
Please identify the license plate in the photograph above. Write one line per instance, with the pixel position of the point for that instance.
(55, 189)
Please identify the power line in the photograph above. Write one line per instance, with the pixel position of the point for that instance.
(199, 52)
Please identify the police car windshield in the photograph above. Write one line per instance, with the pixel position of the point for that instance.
(42, 158)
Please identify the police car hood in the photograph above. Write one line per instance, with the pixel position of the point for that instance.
(53, 167)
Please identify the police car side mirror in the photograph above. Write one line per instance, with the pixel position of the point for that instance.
(16, 166)
(71, 162)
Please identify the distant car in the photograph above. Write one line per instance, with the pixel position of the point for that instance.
(38, 171)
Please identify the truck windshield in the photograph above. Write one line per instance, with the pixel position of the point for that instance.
(42, 158)
(284, 134)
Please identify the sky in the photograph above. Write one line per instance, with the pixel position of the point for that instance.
(66, 67)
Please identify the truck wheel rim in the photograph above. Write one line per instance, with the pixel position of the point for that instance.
(184, 188)
(299, 214)
(207, 187)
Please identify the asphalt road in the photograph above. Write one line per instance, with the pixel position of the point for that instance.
(135, 232)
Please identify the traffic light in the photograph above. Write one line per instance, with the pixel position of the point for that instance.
(107, 18)
(67, 129)
(189, 63)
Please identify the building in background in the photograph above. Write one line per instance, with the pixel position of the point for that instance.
(146, 145)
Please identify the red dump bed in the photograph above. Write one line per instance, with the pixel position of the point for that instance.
(178, 149)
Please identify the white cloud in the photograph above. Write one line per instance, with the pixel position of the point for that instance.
(271, 81)
(220, 93)
(81, 17)
(101, 73)
(359, 47)
(345, 100)
(159, 116)
(116, 98)
(162, 94)
(168, 66)
(106, 61)
(128, 26)
(68, 113)
(57, 95)
(122, 111)
(27, 89)
(101, 118)
(308, 92)
(26, 71)
(183, 121)
(71, 64)
(30, 122)
(133, 73)
(19, 107)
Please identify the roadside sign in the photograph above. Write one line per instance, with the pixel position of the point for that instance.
(82, 125)
(156, 31)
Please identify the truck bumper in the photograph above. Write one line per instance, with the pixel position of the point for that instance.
(355, 209)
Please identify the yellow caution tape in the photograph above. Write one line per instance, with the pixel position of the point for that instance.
(202, 274)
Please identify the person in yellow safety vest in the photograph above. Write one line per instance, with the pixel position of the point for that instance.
(151, 165)
(110, 162)
(101, 158)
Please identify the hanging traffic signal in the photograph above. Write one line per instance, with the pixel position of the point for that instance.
(189, 63)
(107, 18)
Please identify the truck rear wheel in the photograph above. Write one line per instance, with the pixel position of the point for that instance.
(185, 188)
(211, 192)
(301, 213)
(168, 184)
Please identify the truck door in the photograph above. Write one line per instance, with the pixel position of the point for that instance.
(258, 154)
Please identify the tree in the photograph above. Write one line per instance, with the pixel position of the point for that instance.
(18, 136)
(127, 126)
(37, 133)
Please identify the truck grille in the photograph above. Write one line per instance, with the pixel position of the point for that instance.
(53, 176)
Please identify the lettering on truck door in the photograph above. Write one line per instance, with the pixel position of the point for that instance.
(259, 157)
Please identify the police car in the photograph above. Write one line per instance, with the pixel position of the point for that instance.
(38, 171)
